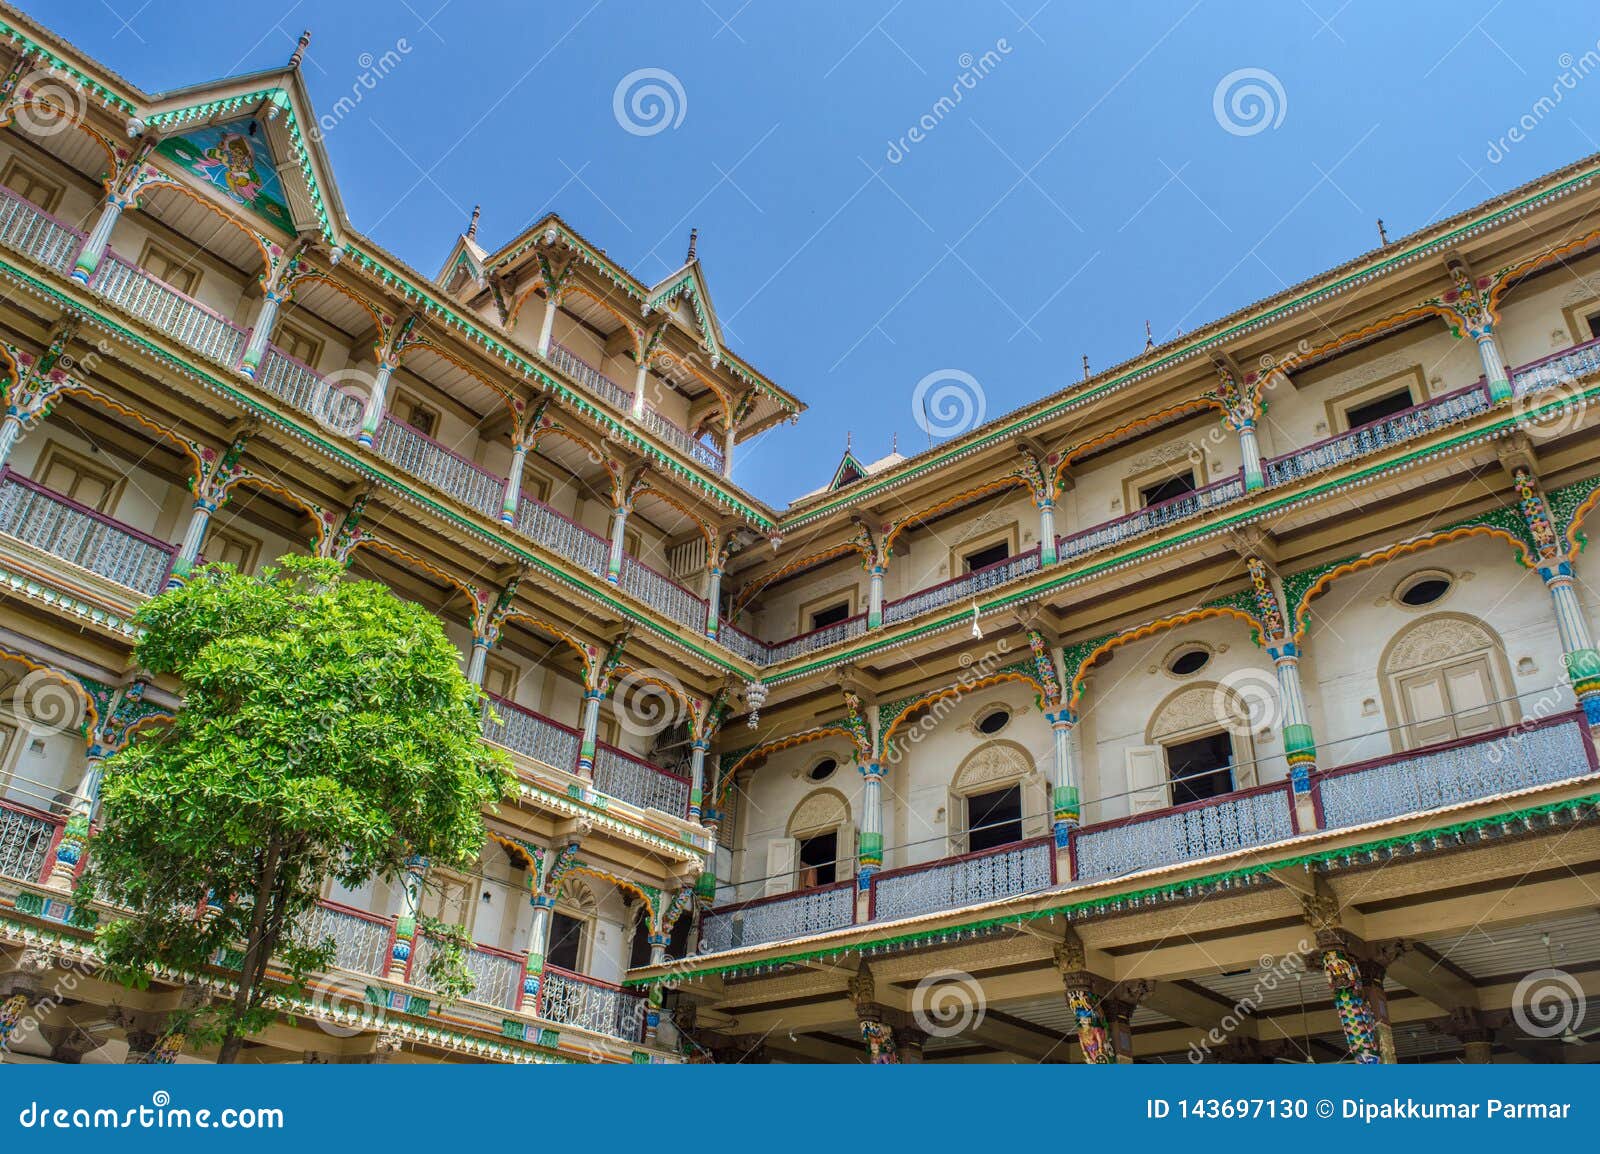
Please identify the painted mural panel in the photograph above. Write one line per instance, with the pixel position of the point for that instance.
(235, 162)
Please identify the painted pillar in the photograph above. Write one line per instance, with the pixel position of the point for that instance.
(1350, 1000)
(879, 1037)
(538, 943)
(1578, 651)
(658, 948)
(591, 729)
(548, 325)
(372, 415)
(875, 596)
(619, 522)
(75, 833)
(713, 598)
(1047, 532)
(193, 537)
(405, 923)
(1494, 364)
(697, 777)
(10, 434)
(1064, 789)
(641, 379)
(256, 345)
(94, 245)
(870, 850)
(1299, 743)
(1250, 451)
(727, 453)
(478, 661)
(1094, 1039)
(1372, 975)
(513, 493)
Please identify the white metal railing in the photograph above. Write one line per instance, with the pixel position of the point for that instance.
(750, 648)
(1518, 758)
(1395, 429)
(1562, 369)
(423, 457)
(569, 999)
(1151, 518)
(776, 919)
(637, 782)
(961, 588)
(665, 596)
(34, 233)
(620, 398)
(814, 640)
(497, 977)
(309, 391)
(1202, 829)
(80, 535)
(530, 734)
(167, 310)
(562, 536)
(25, 841)
(361, 941)
(1025, 867)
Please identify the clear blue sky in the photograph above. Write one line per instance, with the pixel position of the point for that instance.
(1083, 185)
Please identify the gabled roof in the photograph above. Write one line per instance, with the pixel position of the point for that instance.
(851, 469)
(690, 281)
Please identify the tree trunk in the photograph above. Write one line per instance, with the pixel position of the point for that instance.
(253, 965)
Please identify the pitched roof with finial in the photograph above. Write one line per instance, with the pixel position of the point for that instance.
(300, 49)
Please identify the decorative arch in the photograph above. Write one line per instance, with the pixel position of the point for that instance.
(559, 430)
(1586, 494)
(766, 749)
(440, 351)
(1300, 608)
(380, 320)
(381, 546)
(517, 302)
(293, 498)
(661, 682)
(747, 594)
(824, 808)
(921, 516)
(1512, 276)
(585, 654)
(75, 387)
(705, 529)
(651, 899)
(90, 710)
(583, 291)
(1357, 336)
(1435, 640)
(115, 157)
(996, 762)
(167, 183)
(667, 356)
(1127, 429)
(1101, 650)
(891, 717)
(517, 852)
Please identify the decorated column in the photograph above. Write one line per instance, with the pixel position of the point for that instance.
(727, 451)
(405, 922)
(706, 726)
(876, 1030)
(1470, 309)
(1038, 469)
(548, 325)
(601, 678)
(714, 596)
(869, 850)
(625, 487)
(488, 623)
(275, 288)
(1082, 990)
(546, 871)
(1242, 404)
(641, 380)
(1063, 720)
(523, 439)
(30, 398)
(1554, 562)
(388, 356)
(875, 554)
(211, 487)
(1356, 1017)
(94, 245)
(1299, 743)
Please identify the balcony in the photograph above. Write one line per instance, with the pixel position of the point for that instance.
(446, 470)
(169, 311)
(1563, 368)
(663, 594)
(637, 782)
(81, 536)
(962, 588)
(496, 974)
(1537, 753)
(27, 836)
(621, 399)
(362, 942)
(569, 999)
(29, 230)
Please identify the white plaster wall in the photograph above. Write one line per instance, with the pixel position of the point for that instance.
(147, 502)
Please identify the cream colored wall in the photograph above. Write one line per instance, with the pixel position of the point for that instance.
(1098, 492)
(922, 555)
(43, 764)
(146, 501)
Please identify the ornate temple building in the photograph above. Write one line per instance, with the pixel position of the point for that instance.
(1232, 704)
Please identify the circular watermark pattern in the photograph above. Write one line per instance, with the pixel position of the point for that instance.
(648, 101)
(1248, 101)
(947, 1003)
(47, 702)
(1548, 1003)
(341, 401)
(1247, 701)
(48, 103)
(647, 702)
(340, 1007)
(1550, 408)
(948, 402)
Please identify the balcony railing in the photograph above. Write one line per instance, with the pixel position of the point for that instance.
(497, 975)
(620, 398)
(753, 649)
(1474, 767)
(815, 639)
(663, 594)
(1200, 829)
(962, 588)
(531, 734)
(1151, 518)
(1395, 429)
(1025, 867)
(443, 468)
(301, 386)
(33, 232)
(362, 941)
(169, 311)
(80, 535)
(637, 782)
(778, 918)
(26, 838)
(1563, 368)
(569, 999)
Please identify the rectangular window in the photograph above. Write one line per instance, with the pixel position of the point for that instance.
(832, 615)
(988, 555)
(87, 482)
(1200, 768)
(500, 679)
(299, 344)
(566, 942)
(1593, 320)
(994, 819)
(413, 412)
(819, 865)
(1378, 408)
(167, 266)
(1168, 489)
(31, 186)
(233, 547)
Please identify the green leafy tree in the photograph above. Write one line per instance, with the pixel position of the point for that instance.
(326, 731)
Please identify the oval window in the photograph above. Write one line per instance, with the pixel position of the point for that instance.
(1189, 661)
(823, 770)
(1425, 590)
(994, 721)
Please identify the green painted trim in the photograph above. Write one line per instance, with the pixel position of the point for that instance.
(60, 65)
(1070, 909)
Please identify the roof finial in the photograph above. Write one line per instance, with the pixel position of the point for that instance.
(472, 228)
(894, 443)
(694, 235)
(1086, 366)
(1149, 337)
(1383, 233)
(300, 48)
(847, 436)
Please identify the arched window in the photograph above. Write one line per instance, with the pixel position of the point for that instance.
(819, 848)
(1446, 677)
(572, 926)
(1198, 746)
(996, 798)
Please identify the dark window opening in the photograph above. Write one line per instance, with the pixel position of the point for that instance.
(1201, 768)
(678, 943)
(639, 952)
(1594, 326)
(832, 615)
(1191, 662)
(1378, 408)
(1426, 591)
(1167, 490)
(983, 558)
(566, 941)
(994, 721)
(819, 864)
(823, 770)
(994, 819)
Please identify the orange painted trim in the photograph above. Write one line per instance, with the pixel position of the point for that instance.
(378, 319)
(705, 529)
(796, 566)
(91, 715)
(766, 749)
(1583, 510)
(171, 185)
(1122, 432)
(921, 516)
(1080, 679)
(939, 695)
(381, 546)
(585, 656)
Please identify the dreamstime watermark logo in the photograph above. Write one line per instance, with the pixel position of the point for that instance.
(1574, 69)
(1248, 101)
(373, 70)
(973, 674)
(1549, 403)
(973, 69)
(49, 103)
(948, 1003)
(47, 702)
(647, 702)
(1548, 1003)
(948, 402)
(1271, 972)
(340, 401)
(340, 1007)
(1248, 701)
(648, 101)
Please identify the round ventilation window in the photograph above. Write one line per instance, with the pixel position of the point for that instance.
(994, 721)
(823, 770)
(1189, 661)
(1424, 590)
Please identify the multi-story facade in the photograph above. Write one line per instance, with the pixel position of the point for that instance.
(1233, 703)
